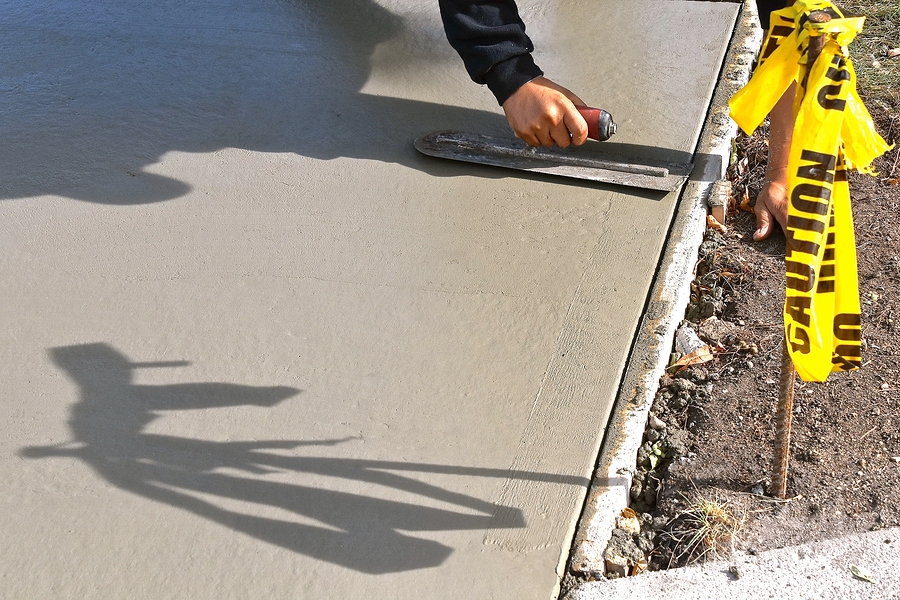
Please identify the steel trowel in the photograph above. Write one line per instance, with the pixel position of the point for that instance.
(590, 161)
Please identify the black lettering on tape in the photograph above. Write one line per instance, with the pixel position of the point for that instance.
(847, 327)
(808, 198)
(777, 33)
(844, 364)
(849, 351)
(825, 286)
(821, 169)
(827, 97)
(800, 276)
(798, 307)
(799, 340)
(796, 224)
(837, 75)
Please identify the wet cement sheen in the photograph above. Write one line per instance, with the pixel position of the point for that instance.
(254, 345)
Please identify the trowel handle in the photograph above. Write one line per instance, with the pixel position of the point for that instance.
(600, 123)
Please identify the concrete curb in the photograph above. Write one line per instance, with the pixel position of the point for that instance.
(610, 489)
(815, 571)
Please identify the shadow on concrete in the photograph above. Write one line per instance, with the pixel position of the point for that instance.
(360, 532)
(94, 94)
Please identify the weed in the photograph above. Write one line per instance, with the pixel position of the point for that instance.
(706, 529)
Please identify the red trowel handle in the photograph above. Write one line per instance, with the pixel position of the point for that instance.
(600, 123)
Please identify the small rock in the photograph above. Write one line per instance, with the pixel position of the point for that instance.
(749, 364)
(616, 567)
(896, 459)
(735, 571)
(714, 330)
(757, 490)
(645, 543)
(656, 422)
(621, 554)
(682, 386)
(885, 386)
(686, 340)
(631, 525)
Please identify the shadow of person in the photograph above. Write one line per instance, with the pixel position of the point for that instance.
(94, 94)
(211, 478)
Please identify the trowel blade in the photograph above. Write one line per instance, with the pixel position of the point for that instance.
(572, 162)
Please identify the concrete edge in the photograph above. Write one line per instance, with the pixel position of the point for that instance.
(610, 488)
(813, 571)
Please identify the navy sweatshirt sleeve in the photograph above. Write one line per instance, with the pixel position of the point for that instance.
(490, 38)
(765, 8)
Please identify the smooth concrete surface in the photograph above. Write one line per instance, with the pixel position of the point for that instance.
(816, 571)
(253, 345)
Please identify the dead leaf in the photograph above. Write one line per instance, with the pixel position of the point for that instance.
(861, 574)
(893, 181)
(745, 203)
(639, 567)
(893, 52)
(713, 223)
(697, 357)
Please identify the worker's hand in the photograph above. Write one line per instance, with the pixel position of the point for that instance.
(771, 208)
(772, 202)
(544, 114)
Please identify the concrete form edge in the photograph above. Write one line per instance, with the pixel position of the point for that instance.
(610, 489)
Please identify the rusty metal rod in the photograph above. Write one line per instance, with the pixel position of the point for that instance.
(816, 44)
(783, 422)
(786, 379)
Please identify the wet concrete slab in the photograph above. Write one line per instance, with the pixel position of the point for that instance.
(255, 345)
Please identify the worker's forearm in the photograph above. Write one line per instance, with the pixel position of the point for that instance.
(781, 127)
(490, 38)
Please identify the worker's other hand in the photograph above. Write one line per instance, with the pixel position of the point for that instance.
(771, 208)
(544, 114)
(772, 202)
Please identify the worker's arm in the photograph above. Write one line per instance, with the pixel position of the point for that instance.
(490, 37)
(772, 202)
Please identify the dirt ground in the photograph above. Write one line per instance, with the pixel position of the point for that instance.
(718, 441)
(845, 444)
(702, 486)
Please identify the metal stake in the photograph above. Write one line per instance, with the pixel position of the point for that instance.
(786, 379)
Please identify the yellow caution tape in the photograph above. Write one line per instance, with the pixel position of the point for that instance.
(833, 132)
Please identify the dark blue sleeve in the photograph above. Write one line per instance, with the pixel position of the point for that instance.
(765, 7)
(490, 38)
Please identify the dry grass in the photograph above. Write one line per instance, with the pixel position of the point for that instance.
(706, 529)
(878, 74)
